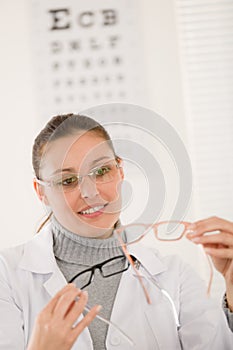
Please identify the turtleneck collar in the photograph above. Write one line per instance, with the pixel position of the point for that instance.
(73, 248)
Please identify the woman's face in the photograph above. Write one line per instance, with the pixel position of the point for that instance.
(91, 208)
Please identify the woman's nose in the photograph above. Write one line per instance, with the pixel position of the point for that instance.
(88, 188)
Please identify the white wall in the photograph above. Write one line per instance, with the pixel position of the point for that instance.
(163, 61)
(19, 207)
(21, 211)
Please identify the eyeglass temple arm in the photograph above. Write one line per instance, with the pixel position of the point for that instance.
(167, 295)
(123, 246)
(211, 273)
(101, 318)
(40, 182)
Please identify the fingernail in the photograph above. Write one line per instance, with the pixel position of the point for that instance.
(207, 250)
(71, 285)
(99, 307)
(190, 232)
(192, 226)
(195, 239)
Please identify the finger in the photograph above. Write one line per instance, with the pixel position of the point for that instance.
(53, 302)
(90, 316)
(76, 308)
(65, 301)
(225, 253)
(217, 246)
(225, 239)
(208, 225)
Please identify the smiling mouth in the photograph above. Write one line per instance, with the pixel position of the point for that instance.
(92, 210)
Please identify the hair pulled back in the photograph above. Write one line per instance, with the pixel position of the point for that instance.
(65, 125)
(60, 126)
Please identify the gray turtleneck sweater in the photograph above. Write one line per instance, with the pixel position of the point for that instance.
(76, 253)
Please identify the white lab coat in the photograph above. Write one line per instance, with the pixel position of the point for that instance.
(29, 277)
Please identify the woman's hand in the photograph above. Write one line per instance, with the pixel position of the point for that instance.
(218, 245)
(53, 329)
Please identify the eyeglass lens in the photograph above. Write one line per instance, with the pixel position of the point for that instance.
(101, 174)
(170, 230)
(163, 231)
(107, 268)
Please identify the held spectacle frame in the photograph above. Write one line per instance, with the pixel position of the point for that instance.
(164, 231)
(103, 268)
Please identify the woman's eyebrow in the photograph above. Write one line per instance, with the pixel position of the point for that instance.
(61, 170)
(100, 158)
(73, 170)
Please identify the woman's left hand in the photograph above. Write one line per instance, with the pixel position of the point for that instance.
(218, 245)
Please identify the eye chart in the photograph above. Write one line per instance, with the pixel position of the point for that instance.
(87, 53)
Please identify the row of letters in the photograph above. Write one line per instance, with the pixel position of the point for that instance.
(58, 46)
(63, 19)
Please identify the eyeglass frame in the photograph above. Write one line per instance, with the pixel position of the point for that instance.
(148, 227)
(99, 267)
(50, 183)
(88, 307)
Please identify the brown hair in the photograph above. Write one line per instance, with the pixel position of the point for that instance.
(60, 126)
(64, 125)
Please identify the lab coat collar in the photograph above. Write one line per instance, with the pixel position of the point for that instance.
(38, 256)
(148, 257)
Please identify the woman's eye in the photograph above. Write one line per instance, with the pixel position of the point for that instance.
(69, 181)
(102, 170)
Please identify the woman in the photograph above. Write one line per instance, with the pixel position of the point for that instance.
(40, 311)
(220, 248)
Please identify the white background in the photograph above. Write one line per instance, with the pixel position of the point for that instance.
(168, 88)
(20, 119)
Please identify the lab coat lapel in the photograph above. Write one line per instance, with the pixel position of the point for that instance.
(38, 254)
(148, 258)
(130, 312)
(125, 314)
(141, 321)
(38, 257)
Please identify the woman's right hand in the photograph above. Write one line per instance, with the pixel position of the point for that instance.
(218, 246)
(53, 329)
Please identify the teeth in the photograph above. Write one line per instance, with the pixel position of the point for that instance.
(92, 210)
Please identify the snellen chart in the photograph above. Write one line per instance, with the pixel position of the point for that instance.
(87, 53)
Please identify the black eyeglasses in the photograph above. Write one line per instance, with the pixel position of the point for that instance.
(107, 268)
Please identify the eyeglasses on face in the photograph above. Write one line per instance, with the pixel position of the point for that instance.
(107, 268)
(67, 182)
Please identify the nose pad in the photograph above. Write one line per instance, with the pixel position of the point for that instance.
(88, 188)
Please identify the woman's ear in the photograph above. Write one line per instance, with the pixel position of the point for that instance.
(120, 166)
(40, 192)
(122, 173)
